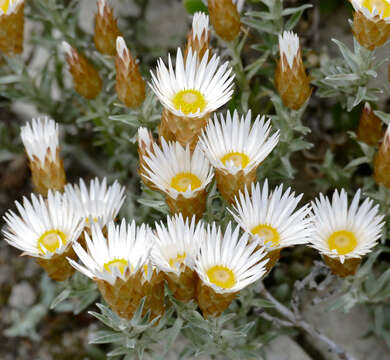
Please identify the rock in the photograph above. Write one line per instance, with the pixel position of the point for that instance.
(22, 295)
(284, 348)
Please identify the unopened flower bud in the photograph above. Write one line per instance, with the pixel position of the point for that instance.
(199, 37)
(106, 29)
(11, 26)
(370, 126)
(291, 81)
(382, 162)
(225, 18)
(86, 79)
(130, 87)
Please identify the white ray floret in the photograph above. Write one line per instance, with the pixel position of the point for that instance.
(124, 251)
(8, 7)
(289, 47)
(177, 244)
(271, 217)
(344, 232)
(194, 88)
(175, 171)
(235, 144)
(200, 25)
(375, 10)
(43, 228)
(98, 202)
(41, 139)
(228, 262)
(144, 138)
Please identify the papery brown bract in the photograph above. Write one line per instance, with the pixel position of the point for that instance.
(349, 267)
(12, 31)
(370, 128)
(225, 18)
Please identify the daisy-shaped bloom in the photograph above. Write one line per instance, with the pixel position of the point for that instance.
(226, 264)
(236, 147)
(175, 248)
(41, 141)
(118, 263)
(344, 234)
(46, 230)
(183, 176)
(371, 25)
(199, 36)
(99, 203)
(272, 218)
(12, 26)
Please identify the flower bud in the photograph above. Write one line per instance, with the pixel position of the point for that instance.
(291, 81)
(86, 79)
(106, 29)
(370, 126)
(130, 87)
(199, 37)
(225, 18)
(382, 162)
(11, 26)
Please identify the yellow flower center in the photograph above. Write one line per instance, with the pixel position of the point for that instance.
(342, 241)
(181, 182)
(120, 264)
(221, 276)
(267, 233)
(189, 101)
(178, 260)
(4, 5)
(382, 6)
(51, 240)
(240, 160)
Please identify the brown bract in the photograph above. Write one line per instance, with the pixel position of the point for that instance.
(188, 206)
(12, 31)
(293, 84)
(382, 163)
(200, 46)
(370, 128)
(369, 33)
(183, 287)
(349, 267)
(225, 18)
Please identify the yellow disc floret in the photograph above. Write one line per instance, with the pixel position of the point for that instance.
(120, 264)
(382, 6)
(267, 233)
(51, 240)
(189, 101)
(4, 5)
(181, 182)
(178, 260)
(221, 276)
(240, 160)
(342, 241)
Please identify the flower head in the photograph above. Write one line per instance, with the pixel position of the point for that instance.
(123, 252)
(99, 203)
(343, 232)
(373, 9)
(9, 6)
(43, 228)
(271, 217)
(174, 170)
(227, 262)
(238, 144)
(194, 88)
(176, 244)
(289, 48)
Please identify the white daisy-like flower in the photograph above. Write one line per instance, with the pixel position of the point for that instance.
(9, 6)
(43, 228)
(200, 25)
(289, 47)
(373, 9)
(176, 171)
(41, 139)
(99, 203)
(239, 4)
(177, 244)
(194, 88)
(271, 216)
(237, 144)
(123, 252)
(343, 233)
(227, 262)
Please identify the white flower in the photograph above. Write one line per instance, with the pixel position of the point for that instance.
(237, 144)
(373, 9)
(227, 262)
(200, 25)
(43, 228)
(193, 89)
(40, 139)
(271, 217)
(341, 232)
(124, 252)
(177, 244)
(9, 6)
(98, 203)
(289, 47)
(175, 171)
